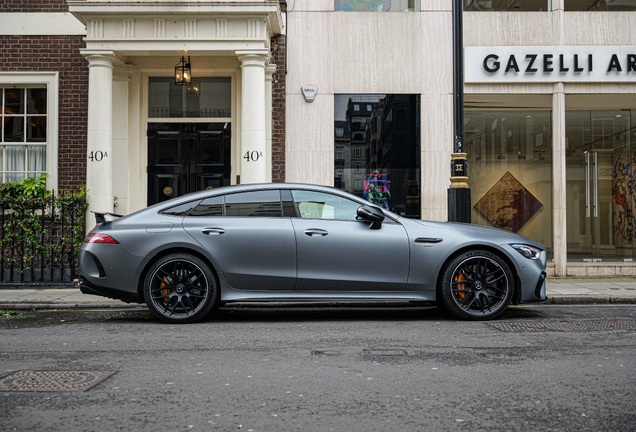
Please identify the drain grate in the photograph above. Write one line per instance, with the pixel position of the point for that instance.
(565, 326)
(393, 352)
(53, 381)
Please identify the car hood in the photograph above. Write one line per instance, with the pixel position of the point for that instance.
(495, 235)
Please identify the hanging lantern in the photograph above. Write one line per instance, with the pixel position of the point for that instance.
(182, 72)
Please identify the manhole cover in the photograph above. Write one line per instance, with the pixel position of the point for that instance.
(392, 352)
(53, 381)
(573, 326)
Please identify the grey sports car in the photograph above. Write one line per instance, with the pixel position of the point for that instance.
(299, 243)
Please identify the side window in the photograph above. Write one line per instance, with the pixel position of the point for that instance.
(258, 203)
(209, 207)
(181, 210)
(320, 205)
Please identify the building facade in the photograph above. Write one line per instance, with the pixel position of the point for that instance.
(550, 106)
(89, 96)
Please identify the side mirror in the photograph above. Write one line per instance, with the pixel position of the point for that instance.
(374, 214)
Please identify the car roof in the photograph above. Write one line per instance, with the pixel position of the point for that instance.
(253, 187)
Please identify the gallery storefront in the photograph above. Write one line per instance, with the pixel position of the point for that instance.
(550, 96)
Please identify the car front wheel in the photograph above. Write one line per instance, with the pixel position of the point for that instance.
(180, 288)
(476, 285)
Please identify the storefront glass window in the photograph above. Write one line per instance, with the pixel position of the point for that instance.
(377, 5)
(601, 185)
(508, 5)
(600, 5)
(510, 171)
(24, 133)
(205, 97)
(378, 154)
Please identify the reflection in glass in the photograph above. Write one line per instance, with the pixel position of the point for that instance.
(507, 5)
(14, 101)
(13, 129)
(36, 98)
(509, 162)
(377, 141)
(601, 185)
(205, 97)
(377, 5)
(600, 5)
(36, 129)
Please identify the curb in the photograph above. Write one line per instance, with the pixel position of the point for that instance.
(43, 306)
(586, 299)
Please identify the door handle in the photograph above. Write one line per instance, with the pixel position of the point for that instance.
(212, 231)
(315, 231)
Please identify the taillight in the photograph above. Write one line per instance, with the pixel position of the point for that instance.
(100, 238)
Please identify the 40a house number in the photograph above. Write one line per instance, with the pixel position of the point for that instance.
(253, 156)
(97, 156)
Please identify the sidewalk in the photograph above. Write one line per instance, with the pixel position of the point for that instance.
(560, 291)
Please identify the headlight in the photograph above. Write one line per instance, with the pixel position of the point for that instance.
(527, 251)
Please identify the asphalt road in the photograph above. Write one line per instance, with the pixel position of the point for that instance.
(542, 368)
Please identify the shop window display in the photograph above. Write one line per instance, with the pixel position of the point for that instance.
(377, 150)
(601, 185)
(510, 171)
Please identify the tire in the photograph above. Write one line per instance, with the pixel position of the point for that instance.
(476, 285)
(180, 288)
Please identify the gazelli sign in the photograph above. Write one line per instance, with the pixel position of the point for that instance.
(549, 64)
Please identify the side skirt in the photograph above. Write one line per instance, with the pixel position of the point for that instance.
(234, 295)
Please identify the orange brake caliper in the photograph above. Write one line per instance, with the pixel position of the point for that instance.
(164, 292)
(460, 278)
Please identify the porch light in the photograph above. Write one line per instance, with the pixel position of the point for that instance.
(182, 72)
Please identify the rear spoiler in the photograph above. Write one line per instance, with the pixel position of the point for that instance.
(100, 217)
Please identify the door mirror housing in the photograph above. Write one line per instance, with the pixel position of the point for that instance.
(374, 214)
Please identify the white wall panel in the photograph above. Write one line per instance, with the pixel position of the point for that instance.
(312, 125)
(600, 28)
(310, 57)
(509, 28)
(310, 6)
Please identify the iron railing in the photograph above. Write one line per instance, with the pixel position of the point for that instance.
(40, 238)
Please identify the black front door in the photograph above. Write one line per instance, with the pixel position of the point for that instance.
(187, 157)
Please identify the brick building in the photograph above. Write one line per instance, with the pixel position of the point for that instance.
(90, 96)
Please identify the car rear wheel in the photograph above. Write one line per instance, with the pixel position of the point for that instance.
(476, 285)
(180, 288)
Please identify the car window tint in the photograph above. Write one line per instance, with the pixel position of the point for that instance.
(320, 205)
(180, 210)
(258, 203)
(209, 207)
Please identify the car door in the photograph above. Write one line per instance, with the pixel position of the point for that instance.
(337, 252)
(249, 238)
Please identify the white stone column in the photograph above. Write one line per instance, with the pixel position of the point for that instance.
(269, 72)
(559, 202)
(253, 154)
(99, 166)
(121, 79)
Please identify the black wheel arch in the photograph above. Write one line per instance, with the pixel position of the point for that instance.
(516, 295)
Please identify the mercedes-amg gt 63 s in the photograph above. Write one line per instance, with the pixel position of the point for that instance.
(301, 243)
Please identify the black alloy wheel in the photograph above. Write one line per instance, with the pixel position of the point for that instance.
(180, 288)
(477, 285)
